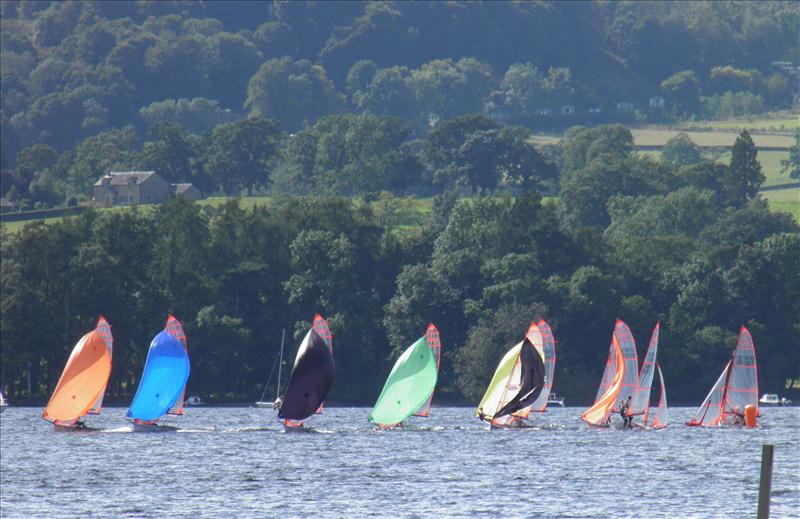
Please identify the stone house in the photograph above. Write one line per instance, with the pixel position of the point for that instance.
(138, 187)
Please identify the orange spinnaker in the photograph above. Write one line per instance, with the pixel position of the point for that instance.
(82, 381)
(598, 414)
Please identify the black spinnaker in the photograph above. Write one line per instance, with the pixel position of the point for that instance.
(310, 380)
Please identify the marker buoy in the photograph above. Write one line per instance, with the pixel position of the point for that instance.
(750, 413)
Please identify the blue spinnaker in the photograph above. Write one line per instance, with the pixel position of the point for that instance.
(166, 371)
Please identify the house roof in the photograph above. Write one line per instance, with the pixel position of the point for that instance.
(182, 187)
(5, 203)
(124, 178)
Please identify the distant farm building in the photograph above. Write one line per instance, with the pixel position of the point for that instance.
(138, 187)
(6, 206)
(657, 102)
(625, 106)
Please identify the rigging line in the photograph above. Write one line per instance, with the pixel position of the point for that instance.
(272, 372)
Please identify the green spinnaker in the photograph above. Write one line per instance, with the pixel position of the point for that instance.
(490, 403)
(408, 387)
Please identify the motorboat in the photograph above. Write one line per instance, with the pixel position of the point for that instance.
(773, 399)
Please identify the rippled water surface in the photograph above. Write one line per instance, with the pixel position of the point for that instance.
(236, 462)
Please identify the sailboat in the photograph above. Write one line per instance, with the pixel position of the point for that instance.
(163, 384)
(279, 359)
(310, 381)
(83, 382)
(409, 387)
(735, 389)
(517, 383)
(640, 403)
(620, 377)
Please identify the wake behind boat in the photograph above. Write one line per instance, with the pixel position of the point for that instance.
(83, 382)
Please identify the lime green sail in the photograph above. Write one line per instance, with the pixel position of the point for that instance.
(495, 395)
(408, 387)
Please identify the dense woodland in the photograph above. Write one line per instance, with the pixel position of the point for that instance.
(341, 110)
(89, 86)
(691, 246)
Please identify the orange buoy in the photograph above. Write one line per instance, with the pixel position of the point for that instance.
(750, 413)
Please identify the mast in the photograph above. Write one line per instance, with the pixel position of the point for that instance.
(280, 365)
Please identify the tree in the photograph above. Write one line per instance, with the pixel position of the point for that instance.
(240, 154)
(175, 155)
(444, 88)
(683, 91)
(446, 138)
(198, 115)
(681, 151)
(388, 93)
(745, 176)
(352, 154)
(97, 156)
(582, 145)
(792, 164)
(296, 93)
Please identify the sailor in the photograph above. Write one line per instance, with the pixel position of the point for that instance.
(623, 412)
(628, 413)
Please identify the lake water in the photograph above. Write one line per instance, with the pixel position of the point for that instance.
(451, 466)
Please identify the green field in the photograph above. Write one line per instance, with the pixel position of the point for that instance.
(783, 122)
(785, 200)
(659, 137)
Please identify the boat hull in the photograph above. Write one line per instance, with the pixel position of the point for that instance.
(153, 428)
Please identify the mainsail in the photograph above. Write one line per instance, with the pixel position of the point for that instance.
(310, 381)
(622, 334)
(175, 329)
(640, 402)
(83, 382)
(659, 418)
(736, 387)
(600, 413)
(434, 342)
(164, 377)
(516, 384)
(104, 329)
(549, 350)
(320, 326)
(409, 385)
